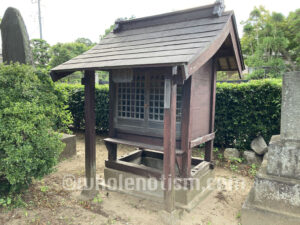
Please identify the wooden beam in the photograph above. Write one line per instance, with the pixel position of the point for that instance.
(131, 156)
(133, 168)
(90, 122)
(112, 99)
(238, 57)
(112, 150)
(209, 145)
(201, 140)
(185, 128)
(207, 53)
(139, 145)
(169, 143)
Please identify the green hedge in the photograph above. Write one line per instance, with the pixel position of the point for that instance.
(243, 111)
(75, 93)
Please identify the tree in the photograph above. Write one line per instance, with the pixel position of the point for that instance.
(110, 29)
(292, 32)
(85, 41)
(62, 52)
(266, 42)
(40, 51)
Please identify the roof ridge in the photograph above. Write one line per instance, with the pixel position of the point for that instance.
(172, 17)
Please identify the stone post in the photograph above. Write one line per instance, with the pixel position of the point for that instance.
(284, 156)
(290, 110)
(15, 40)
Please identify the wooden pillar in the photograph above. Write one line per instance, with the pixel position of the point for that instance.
(169, 143)
(185, 129)
(209, 145)
(111, 147)
(90, 122)
(112, 99)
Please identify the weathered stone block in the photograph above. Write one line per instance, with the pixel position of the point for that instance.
(284, 159)
(230, 153)
(290, 116)
(70, 148)
(274, 138)
(259, 145)
(252, 158)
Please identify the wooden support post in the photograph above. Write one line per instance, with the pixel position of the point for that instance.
(185, 129)
(90, 122)
(112, 150)
(209, 145)
(112, 98)
(169, 143)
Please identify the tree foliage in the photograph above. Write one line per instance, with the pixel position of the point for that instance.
(62, 52)
(110, 29)
(85, 41)
(265, 42)
(40, 51)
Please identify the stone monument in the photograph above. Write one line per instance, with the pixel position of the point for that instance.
(275, 196)
(15, 40)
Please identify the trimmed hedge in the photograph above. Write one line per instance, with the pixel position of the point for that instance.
(75, 93)
(243, 111)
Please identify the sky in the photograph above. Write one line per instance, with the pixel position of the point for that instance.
(67, 20)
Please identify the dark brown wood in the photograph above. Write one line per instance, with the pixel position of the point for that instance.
(185, 129)
(202, 139)
(132, 156)
(200, 101)
(209, 144)
(112, 99)
(138, 144)
(133, 168)
(169, 144)
(90, 122)
(236, 49)
(112, 150)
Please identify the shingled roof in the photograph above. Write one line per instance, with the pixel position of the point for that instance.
(188, 37)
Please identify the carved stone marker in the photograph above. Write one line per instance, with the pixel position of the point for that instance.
(275, 196)
(15, 41)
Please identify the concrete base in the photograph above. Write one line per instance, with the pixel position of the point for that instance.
(273, 200)
(172, 218)
(87, 195)
(186, 198)
(70, 148)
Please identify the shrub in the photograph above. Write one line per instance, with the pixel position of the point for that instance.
(30, 110)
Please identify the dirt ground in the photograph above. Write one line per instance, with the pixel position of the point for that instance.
(49, 203)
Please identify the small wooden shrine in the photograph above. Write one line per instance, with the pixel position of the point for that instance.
(162, 84)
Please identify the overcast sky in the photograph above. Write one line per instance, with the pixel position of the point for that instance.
(67, 20)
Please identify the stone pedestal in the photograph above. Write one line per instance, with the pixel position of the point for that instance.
(275, 196)
(273, 200)
(70, 148)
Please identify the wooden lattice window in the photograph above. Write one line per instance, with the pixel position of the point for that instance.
(143, 94)
(156, 102)
(131, 98)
